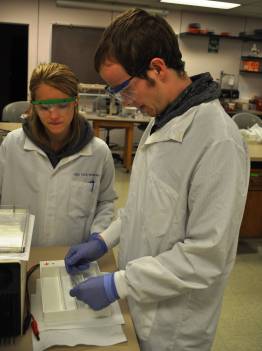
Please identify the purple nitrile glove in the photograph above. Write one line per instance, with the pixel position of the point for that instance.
(78, 257)
(97, 292)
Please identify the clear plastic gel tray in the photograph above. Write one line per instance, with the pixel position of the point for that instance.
(13, 228)
(58, 305)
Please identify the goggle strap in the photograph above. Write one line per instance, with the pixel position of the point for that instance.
(52, 101)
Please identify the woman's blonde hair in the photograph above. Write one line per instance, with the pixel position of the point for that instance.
(61, 77)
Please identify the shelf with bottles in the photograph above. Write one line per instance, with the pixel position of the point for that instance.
(196, 30)
(251, 64)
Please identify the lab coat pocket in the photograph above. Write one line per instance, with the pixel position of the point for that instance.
(81, 199)
(160, 207)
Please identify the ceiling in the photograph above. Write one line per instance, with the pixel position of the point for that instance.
(248, 8)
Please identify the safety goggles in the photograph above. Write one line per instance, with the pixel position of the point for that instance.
(121, 92)
(62, 105)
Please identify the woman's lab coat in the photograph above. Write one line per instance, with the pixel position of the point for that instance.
(179, 229)
(69, 201)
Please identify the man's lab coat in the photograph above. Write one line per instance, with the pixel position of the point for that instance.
(179, 229)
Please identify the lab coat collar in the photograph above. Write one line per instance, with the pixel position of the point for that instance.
(175, 129)
(86, 151)
(30, 146)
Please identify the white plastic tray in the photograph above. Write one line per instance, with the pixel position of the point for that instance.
(56, 283)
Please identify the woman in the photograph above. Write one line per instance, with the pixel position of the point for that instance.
(54, 165)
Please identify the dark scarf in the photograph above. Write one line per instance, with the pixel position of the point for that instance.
(86, 135)
(202, 89)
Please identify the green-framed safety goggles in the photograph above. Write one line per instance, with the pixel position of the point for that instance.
(53, 101)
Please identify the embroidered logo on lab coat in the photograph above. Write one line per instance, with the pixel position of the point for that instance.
(90, 178)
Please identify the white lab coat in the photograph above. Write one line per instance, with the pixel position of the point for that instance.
(179, 229)
(69, 201)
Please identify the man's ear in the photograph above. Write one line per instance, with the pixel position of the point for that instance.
(159, 66)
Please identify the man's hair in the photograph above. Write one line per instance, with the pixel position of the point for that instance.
(134, 38)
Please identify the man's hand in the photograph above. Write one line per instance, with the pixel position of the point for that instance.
(97, 292)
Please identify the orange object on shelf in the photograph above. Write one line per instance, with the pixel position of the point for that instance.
(193, 30)
(252, 66)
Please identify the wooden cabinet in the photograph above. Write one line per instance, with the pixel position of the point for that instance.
(252, 220)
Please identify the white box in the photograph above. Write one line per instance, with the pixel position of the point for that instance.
(58, 305)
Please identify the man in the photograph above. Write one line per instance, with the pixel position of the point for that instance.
(178, 232)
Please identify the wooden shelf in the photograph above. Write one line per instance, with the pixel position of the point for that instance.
(233, 37)
(250, 38)
(210, 35)
(251, 58)
(254, 72)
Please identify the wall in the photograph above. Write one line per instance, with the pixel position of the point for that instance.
(50, 14)
(198, 59)
(41, 14)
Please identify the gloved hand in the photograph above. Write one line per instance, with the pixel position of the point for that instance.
(97, 292)
(78, 257)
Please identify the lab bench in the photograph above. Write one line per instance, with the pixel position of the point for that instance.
(118, 122)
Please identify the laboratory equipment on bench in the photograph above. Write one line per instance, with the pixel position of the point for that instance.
(58, 305)
(12, 297)
(229, 86)
(14, 239)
